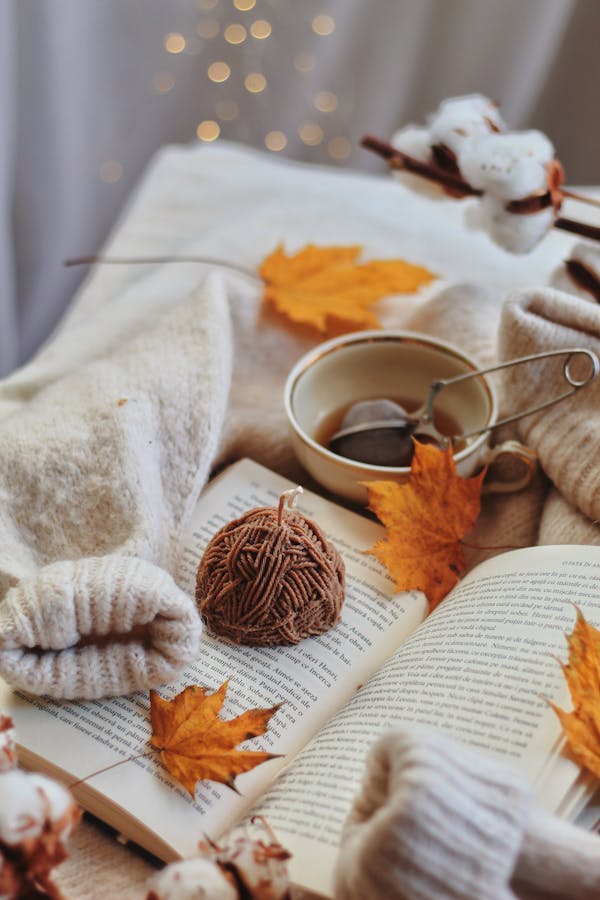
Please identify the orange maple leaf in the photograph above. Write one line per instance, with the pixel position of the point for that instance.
(325, 287)
(195, 744)
(425, 520)
(582, 673)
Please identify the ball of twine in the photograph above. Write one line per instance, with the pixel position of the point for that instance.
(270, 577)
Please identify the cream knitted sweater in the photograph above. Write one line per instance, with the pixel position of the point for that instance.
(99, 466)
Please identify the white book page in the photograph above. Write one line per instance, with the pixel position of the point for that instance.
(314, 679)
(478, 668)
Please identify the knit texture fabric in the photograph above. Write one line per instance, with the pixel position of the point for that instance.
(432, 820)
(562, 503)
(100, 466)
(567, 435)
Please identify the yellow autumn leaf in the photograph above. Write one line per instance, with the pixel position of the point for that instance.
(327, 289)
(195, 744)
(581, 726)
(425, 519)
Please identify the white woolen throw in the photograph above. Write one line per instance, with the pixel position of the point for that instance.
(99, 467)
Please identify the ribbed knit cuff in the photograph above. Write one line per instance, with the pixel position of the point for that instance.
(96, 627)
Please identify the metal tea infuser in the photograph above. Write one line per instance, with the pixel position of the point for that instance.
(381, 432)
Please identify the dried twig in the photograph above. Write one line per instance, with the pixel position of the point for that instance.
(141, 260)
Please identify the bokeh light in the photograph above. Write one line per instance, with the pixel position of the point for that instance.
(255, 82)
(275, 141)
(310, 133)
(339, 148)
(218, 72)
(323, 24)
(235, 33)
(244, 5)
(260, 29)
(326, 101)
(208, 130)
(174, 42)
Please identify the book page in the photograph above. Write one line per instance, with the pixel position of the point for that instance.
(313, 679)
(478, 668)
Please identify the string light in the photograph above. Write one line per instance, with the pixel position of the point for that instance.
(304, 62)
(326, 101)
(163, 82)
(255, 82)
(323, 24)
(310, 133)
(235, 34)
(218, 72)
(227, 110)
(207, 29)
(111, 171)
(260, 29)
(275, 141)
(209, 130)
(174, 42)
(339, 148)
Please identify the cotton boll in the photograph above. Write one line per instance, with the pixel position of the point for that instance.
(36, 816)
(32, 807)
(459, 119)
(192, 879)
(244, 867)
(511, 166)
(258, 865)
(515, 232)
(8, 744)
(60, 807)
(22, 808)
(414, 140)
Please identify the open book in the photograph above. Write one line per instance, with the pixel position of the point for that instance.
(477, 668)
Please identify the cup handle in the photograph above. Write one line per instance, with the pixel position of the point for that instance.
(524, 454)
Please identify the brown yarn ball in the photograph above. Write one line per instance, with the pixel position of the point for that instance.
(263, 583)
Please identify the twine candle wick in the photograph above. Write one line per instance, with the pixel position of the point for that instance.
(288, 498)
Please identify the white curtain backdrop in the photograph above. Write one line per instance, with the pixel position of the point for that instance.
(89, 89)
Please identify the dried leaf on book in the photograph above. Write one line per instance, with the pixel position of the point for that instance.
(327, 289)
(582, 673)
(425, 520)
(195, 744)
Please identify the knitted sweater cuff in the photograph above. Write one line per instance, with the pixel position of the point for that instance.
(432, 819)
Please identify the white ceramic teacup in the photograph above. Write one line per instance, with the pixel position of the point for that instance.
(398, 365)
